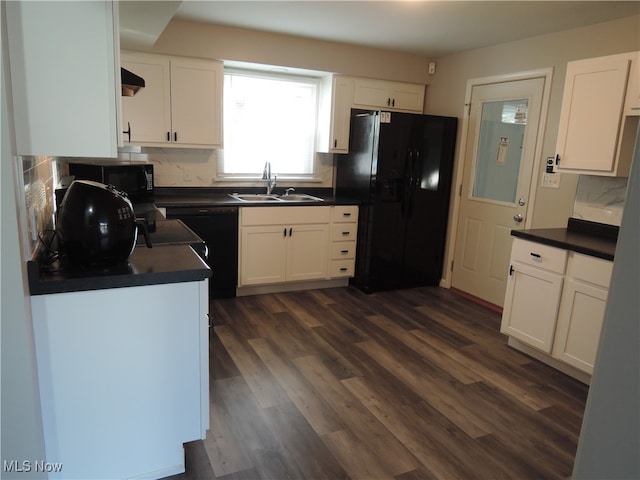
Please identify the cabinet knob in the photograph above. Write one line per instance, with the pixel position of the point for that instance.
(518, 218)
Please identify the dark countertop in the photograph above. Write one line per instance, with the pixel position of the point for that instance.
(146, 266)
(590, 238)
(169, 197)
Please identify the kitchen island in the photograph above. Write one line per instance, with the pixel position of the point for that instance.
(122, 356)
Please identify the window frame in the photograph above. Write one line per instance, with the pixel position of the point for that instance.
(312, 177)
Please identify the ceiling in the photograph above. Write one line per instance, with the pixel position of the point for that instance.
(430, 28)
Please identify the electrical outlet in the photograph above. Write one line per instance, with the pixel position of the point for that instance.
(551, 180)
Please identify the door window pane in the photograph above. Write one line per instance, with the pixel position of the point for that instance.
(499, 154)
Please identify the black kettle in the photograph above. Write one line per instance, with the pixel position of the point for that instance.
(96, 224)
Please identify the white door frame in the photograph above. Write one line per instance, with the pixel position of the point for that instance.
(454, 213)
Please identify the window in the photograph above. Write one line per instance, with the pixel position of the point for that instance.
(268, 118)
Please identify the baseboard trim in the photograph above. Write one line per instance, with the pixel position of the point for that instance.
(478, 300)
(552, 362)
(291, 287)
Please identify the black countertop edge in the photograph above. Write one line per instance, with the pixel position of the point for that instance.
(168, 197)
(595, 246)
(162, 264)
(593, 228)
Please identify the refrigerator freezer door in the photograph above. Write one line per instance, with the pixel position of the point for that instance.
(428, 208)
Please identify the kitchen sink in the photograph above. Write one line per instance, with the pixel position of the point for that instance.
(266, 198)
(300, 197)
(255, 197)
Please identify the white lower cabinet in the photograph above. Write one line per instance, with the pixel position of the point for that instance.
(534, 287)
(297, 243)
(584, 298)
(124, 378)
(555, 302)
(282, 244)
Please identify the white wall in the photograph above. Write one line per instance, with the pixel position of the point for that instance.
(22, 437)
(446, 92)
(225, 43)
(610, 437)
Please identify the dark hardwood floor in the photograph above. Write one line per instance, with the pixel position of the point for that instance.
(409, 384)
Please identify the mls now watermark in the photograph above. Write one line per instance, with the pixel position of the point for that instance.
(24, 466)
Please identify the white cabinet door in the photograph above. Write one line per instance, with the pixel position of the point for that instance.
(373, 93)
(531, 305)
(632, 101)
(579, 324)
(389, 95)
(341, 114)
(65, 77)
(263, 254)
(124, 367)
(148, 112)
(308, 252)
(334, 114)
(196, 100)
(592, 114)
(407, 97)
(180, 105)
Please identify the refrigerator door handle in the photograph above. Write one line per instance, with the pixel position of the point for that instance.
(413, 179)
(404, 184)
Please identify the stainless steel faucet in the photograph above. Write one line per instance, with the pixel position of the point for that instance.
(266, 175)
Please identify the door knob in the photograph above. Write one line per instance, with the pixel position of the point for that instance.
(518, 218)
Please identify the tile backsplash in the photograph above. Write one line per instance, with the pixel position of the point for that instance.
(39, 175)
(600, 199)
(188, 167)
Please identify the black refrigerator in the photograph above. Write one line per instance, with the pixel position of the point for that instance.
(399, 168)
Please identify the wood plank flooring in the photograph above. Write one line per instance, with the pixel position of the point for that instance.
(409, 384)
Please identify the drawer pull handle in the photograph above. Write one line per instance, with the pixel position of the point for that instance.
(343, 269)
(535, 255)
(344, 252)
(346, 214)
(345, 233)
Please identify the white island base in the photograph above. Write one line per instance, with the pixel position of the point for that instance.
(124, 378)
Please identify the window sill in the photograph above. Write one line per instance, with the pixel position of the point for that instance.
(259, 181)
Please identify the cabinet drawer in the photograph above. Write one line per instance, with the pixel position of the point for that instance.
(342, 268)
(344, 231)
(343, 250)
(345, 214)
(539, 255)
(284, 215)
(591, 269)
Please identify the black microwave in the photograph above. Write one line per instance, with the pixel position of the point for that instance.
(136, 180)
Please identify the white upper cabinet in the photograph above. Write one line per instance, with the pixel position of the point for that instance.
(339, 94)
(148, 113)
(180, 105)
(599, 116)
(65, 77)
(405, 97)
(336, 100)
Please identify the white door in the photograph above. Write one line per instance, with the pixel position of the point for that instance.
(498, 165)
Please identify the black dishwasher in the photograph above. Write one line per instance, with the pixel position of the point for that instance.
(218, 227)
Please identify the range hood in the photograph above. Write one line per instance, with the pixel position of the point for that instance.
(131, 82)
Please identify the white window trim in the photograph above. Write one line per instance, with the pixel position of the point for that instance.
(243, 177)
